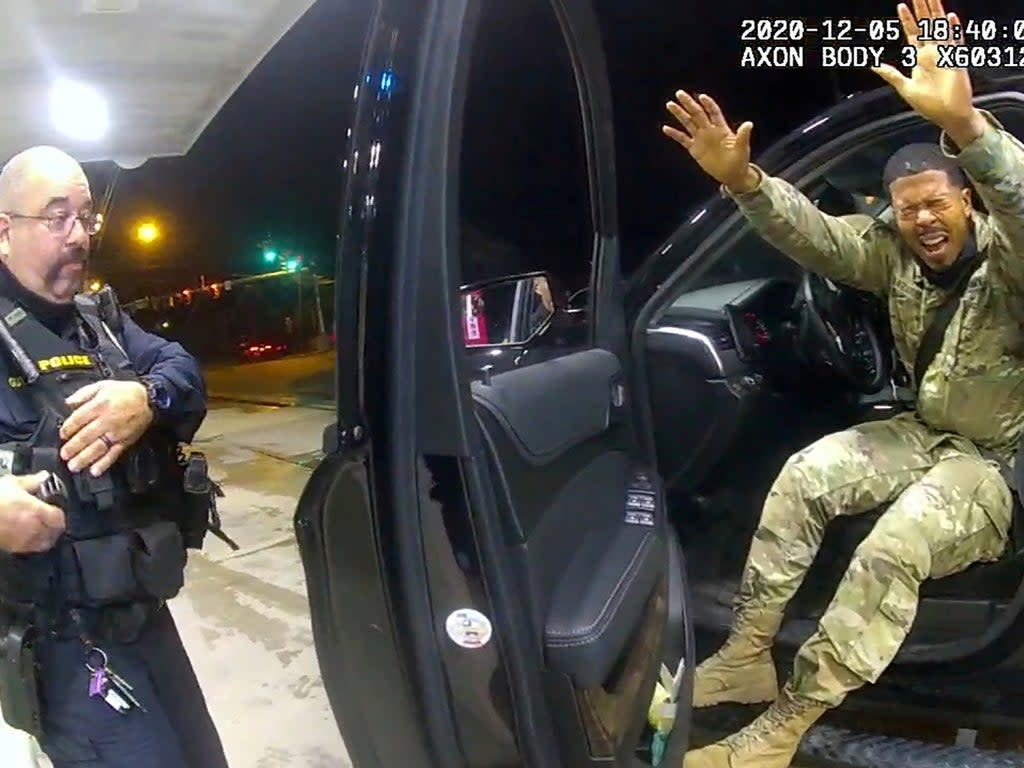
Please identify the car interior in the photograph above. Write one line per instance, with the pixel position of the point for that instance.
(738, 376)
(735, 338)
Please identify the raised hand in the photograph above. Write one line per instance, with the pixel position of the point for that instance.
(722, 153)
(942, 95)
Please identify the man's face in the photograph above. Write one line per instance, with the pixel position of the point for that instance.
(42, 242)
(933, 215)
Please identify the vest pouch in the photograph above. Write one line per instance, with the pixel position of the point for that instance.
(26, 578)
(141, 470)
(136, 565)
(160, 561)
(104, 568)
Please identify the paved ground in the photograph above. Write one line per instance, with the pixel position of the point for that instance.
(298, 380)
(244, 615)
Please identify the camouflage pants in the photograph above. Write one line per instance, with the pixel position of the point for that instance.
(947, 509)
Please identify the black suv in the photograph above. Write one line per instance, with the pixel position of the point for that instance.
(501, 557)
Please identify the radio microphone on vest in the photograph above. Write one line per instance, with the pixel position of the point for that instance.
(28, 368)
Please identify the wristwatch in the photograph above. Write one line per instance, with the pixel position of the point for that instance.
(157, 395)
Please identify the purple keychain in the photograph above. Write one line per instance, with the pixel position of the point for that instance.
(106, 684)
(98, 682)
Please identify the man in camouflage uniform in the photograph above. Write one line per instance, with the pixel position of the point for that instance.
(948, 505)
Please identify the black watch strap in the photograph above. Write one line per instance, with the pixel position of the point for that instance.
(156, 394)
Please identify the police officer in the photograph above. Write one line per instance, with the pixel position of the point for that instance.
(97, 408)
(937, 470)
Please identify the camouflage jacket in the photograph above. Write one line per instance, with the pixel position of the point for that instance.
(975, 385)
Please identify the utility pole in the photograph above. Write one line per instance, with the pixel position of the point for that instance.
(319, 306)
(298, 315)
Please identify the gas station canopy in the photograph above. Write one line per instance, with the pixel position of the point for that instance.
(127, 80)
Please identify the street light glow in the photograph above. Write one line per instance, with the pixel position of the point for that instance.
(79, 111)
(95, 285)
(147, 232)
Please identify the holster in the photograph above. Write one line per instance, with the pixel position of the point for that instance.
(201, 515)
(196, 522)
(19, 679)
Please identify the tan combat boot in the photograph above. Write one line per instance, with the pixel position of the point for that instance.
(741, 672)
(771, 741)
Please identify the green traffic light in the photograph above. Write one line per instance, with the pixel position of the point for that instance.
(291, 265)
(269, 256)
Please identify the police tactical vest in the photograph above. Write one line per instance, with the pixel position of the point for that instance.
(122, 544)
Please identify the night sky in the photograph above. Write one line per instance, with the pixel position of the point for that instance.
(271, 161)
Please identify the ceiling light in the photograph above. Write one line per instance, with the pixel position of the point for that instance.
(78, 111)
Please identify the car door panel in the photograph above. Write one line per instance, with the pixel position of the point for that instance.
(542, 426)
(506, 501)
(561, 466)
(347, 591)
(599, 602)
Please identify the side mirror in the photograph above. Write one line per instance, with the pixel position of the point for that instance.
(506, 312)
(577, 301)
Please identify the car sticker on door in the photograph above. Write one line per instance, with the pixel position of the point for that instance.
(469, 628)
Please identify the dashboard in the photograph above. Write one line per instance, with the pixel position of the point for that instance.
(757, 320)
(728, 366)
(763, 323)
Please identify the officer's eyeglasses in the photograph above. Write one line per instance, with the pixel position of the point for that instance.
(63, 223)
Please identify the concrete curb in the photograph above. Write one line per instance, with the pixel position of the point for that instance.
(280, 401)
(216, 368)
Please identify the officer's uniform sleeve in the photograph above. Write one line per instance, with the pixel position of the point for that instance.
(169, 362)
(995, 164)
(848, 249)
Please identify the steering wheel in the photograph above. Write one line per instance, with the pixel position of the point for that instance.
(842, 325)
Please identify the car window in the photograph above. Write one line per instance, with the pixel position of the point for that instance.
(746, 257)
(524, 198)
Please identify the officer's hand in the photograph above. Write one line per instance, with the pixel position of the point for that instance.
(108, 418)
(26, 523)
(722, 153)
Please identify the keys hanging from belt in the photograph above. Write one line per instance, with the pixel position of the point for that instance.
(106, 684)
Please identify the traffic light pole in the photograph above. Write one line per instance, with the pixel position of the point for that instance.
(298, 311)
(319, 306)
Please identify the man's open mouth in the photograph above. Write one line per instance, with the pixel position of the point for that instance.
(934, 242)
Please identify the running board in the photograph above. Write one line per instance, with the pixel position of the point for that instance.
(842, 747)
(826, 745)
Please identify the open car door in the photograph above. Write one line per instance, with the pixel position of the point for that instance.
(489, 565)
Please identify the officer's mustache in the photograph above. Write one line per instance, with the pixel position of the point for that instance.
(77, 256)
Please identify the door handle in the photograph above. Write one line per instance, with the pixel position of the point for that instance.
(618, 396)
